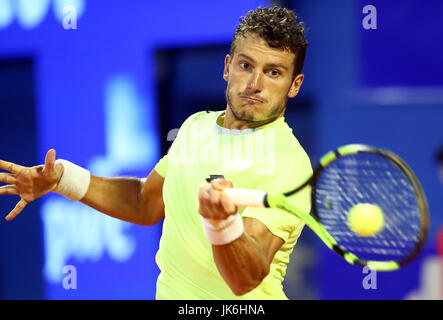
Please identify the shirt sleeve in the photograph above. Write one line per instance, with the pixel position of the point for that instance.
(291, 171)
(162, 166)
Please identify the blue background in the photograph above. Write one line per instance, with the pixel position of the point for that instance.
(106, 94)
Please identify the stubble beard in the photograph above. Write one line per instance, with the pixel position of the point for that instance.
(273, 113)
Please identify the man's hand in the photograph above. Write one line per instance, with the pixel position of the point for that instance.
(214, 203)
(29, 183)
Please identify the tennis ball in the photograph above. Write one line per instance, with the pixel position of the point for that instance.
(366, 219)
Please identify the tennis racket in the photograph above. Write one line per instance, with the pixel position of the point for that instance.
(345, 177)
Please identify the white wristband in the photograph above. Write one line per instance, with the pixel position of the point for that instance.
(74, 182)
(221, 232)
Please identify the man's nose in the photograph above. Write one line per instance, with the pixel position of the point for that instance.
(255, 83)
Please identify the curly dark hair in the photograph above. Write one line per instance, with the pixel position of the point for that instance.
(279, 28)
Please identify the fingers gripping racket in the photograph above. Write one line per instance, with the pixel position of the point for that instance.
(351, 175)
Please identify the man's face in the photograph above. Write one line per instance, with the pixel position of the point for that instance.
(259, 80)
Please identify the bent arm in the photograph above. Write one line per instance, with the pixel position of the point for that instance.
(245, 262)
(134, 200)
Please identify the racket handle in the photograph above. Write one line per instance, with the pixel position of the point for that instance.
(246, 198)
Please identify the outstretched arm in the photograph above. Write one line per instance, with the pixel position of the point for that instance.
(131, 199)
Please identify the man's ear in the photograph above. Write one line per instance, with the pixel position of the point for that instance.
(295, 86)
(226, 70)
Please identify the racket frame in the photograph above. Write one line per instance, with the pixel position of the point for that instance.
(278, 200)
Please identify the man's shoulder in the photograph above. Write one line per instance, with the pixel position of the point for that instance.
(290, 153)
(287, 142)
(206, 115)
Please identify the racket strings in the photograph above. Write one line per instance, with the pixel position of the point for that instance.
(369, 178)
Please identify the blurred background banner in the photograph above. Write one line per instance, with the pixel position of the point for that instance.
(107, 84)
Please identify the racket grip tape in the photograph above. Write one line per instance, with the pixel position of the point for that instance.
(247, 198)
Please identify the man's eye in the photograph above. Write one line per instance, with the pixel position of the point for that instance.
(244, 65)
(274, 73)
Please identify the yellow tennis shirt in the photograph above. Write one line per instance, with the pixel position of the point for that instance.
(268, 158)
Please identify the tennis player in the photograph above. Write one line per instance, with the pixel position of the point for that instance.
(209, 248)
